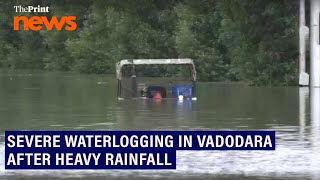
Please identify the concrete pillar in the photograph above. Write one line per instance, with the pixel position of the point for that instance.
(302, 40)
(314, 43)
(303, 36)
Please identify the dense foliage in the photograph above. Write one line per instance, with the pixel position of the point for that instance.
(237, 40)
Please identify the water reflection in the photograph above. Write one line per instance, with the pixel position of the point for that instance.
(310, 101)
(144, 114)
(303, 108)
(315, 122)
(315, 118)
(184, 113)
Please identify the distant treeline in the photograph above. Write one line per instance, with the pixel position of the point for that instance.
(254, 41)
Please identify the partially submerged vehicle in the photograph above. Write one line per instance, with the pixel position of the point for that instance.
(156, 78)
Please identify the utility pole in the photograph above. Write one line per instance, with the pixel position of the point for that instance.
(314, 43)
(303, 34)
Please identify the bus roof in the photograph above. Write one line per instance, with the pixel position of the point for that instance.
(121, 63)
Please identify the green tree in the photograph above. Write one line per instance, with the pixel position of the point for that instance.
(261, 40)
(197, 36)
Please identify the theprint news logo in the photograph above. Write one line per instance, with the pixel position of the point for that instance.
(37, 23)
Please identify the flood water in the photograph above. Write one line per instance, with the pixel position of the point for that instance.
(65, 101)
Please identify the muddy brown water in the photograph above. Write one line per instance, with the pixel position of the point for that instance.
(66, 101)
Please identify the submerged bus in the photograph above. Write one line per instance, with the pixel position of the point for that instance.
(156, 78)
